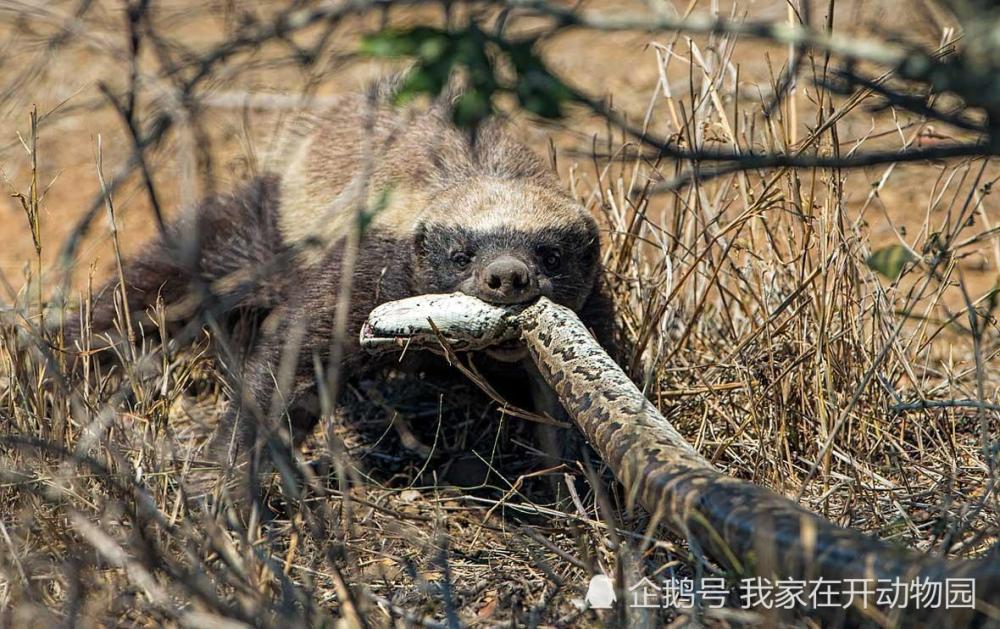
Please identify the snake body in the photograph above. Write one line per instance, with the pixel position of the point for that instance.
(746, 527)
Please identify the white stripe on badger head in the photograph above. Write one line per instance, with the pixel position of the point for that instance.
(493, 203)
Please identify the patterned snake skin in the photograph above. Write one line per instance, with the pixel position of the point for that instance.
(745, 527)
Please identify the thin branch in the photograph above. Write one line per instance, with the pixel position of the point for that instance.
(789, 160)
(875, 51)
(741, 161)
(916, 104)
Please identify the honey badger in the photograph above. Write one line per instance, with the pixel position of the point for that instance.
(377, 203)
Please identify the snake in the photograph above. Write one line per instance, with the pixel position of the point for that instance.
(747, 528)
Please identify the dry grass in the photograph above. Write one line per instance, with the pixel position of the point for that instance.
(753, 319)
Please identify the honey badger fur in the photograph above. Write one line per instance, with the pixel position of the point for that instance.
(440, 213)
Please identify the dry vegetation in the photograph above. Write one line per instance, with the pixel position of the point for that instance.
(752, 314)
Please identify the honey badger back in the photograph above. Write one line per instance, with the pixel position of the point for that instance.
(375, 203)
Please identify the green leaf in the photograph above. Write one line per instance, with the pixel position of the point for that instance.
(538, 90)
(423, 79)
(427, 43)
(471, 108)
(386, 44)
(889, 261)
(438, 53)
(434, 48)
(542, 95)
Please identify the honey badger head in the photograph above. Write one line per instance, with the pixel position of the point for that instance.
(506, 241)
(485, 217)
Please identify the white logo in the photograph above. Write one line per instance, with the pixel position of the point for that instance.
(601, 592)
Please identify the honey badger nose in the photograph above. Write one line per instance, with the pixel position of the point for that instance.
(507, 280)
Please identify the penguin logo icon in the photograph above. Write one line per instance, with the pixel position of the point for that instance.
(601, 592)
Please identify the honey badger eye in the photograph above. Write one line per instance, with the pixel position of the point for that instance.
(551, 258)
(461, 259)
